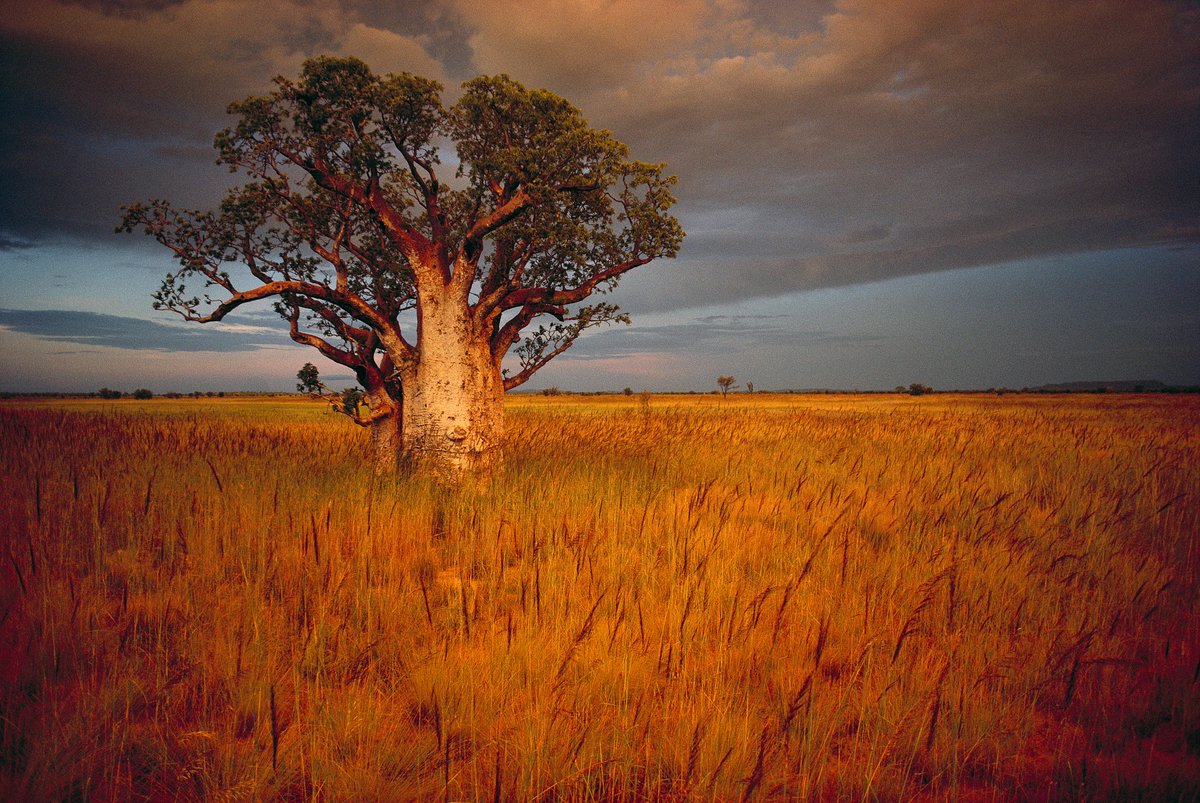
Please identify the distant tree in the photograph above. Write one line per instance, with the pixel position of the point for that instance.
(628, 391)
(749, 387)
(551, 391)
(105, 393)
(917, 389)
(143, 393)
(348, 223)
(310, 380)
(725, 383)
(901, 389)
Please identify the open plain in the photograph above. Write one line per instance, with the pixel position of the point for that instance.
(945, 597)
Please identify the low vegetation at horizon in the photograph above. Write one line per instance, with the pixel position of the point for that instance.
(658, 598)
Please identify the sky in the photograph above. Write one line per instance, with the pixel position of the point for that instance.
(959, 193)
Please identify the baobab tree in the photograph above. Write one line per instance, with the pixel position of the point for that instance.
(349, 225)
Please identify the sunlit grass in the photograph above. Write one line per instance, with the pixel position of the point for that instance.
(944, 597)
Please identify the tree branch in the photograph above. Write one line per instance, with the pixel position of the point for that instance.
(548, 342)
(415, 246)
(523, 296)
(528, 371)
(504, 337)
(350, 359)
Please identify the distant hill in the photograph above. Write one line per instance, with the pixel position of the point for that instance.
(1118, 386)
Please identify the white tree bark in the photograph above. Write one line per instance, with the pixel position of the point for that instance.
(453, 421)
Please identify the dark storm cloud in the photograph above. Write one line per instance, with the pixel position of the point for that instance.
(12, 244)
(105, 103)
(1017, 146)
(125, 8)
(817, 143)
(115, 331)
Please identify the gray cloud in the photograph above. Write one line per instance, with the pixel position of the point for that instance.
(115, 331)
(711, 334)
(105, 103)
(12, 244)
(980, 132)
(817, 143)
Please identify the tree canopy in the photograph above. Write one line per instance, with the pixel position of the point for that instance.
(348, 220)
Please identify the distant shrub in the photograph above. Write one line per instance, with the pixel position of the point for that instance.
(105, 393)
(551, 392)
(143, 393)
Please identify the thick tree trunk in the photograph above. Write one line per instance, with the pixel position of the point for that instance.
(387, 440)
(386, 443)
(453, 398)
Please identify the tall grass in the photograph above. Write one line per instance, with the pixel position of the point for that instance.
(674, 599)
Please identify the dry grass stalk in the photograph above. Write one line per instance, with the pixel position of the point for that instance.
(222, 603)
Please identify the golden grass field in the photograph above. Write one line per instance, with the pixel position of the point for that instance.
(771, 597)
